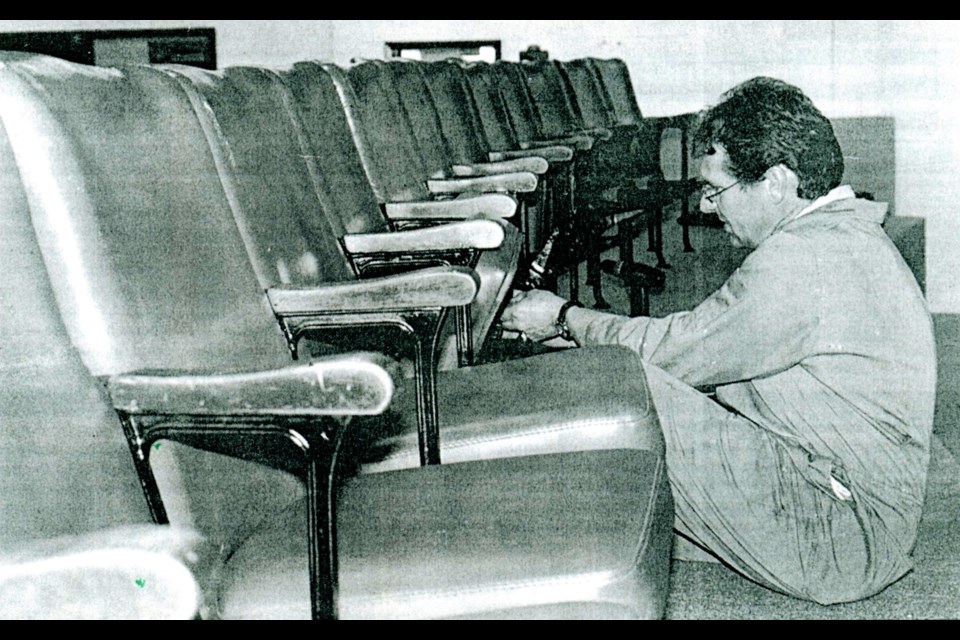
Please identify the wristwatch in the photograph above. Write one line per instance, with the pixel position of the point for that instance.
(563, 329)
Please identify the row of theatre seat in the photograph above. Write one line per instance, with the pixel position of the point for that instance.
(238, 265)
(567, 139)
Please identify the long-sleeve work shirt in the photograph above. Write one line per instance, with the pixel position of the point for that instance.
(821, 338)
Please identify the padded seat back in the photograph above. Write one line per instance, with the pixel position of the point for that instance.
(524, 116)
(397, 170)
(584, 86)
(457, 112)
(136, 230)
(145, 259)
(64, 465)
(405, 77)
(558, 113)
(613, 81)
(615, 78)
(491, 107)
(284, 133)
(639, 141)
(247, 113)
(337, 149)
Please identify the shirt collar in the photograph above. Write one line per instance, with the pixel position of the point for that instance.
(842, 192)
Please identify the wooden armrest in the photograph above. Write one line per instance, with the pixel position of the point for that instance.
(496, 205)
(533, 164)
(472, 234)
(446, 286)
(351, 384)
(518, 182)
(554, 153)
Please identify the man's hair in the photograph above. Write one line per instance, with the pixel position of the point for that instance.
(764, 122)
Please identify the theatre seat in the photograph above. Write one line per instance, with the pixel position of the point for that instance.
(619, 185)
(506, 132)
(541, 114)
(121, 200)
(402, 139)
(339, 159)
(446, 140)
(75, 533)
(311, 217)
(468, 427)
(580, 533)
(614, 77)
(447, 86)
(630, 160)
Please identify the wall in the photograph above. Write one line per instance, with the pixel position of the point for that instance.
(901, 69)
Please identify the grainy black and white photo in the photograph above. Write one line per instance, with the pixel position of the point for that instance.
(479, 319)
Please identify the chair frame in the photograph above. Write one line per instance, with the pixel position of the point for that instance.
(232, 406)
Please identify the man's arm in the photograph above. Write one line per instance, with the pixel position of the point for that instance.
(759, 322)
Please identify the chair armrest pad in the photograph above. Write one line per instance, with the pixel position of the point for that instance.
(429, 288)
(497, 205)
(518, 182)
(599, 133)
(470, 234)
(350, 384)
(555, 153)
(581, 142)
(532, 163)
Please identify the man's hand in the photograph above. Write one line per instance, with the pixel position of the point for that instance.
(533, 313)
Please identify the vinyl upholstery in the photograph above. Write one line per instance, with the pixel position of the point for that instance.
(136, 225)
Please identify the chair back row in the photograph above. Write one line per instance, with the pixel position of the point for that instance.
(419, 118)
(145, 211)
(133, 214)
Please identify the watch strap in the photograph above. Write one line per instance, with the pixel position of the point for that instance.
(563, 329)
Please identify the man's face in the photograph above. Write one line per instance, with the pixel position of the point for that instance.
(742, 208)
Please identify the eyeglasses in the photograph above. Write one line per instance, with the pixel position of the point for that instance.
(710, 193)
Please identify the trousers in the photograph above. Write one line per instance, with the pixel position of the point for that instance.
(764, 507)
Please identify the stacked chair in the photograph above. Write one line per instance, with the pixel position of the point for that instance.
(214, 283)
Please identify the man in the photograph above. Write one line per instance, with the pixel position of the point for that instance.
(807, 471)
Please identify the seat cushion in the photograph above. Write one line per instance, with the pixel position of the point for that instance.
(572, 400)
(572, 535)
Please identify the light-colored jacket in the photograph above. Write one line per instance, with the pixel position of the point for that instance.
(823, 338)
